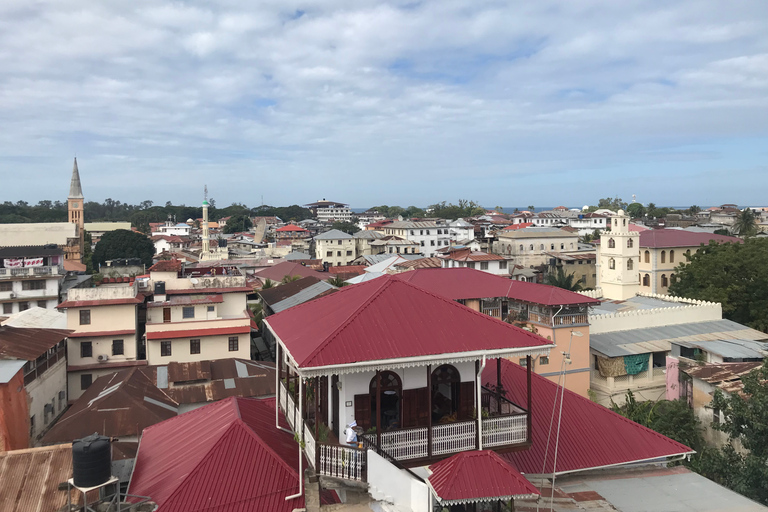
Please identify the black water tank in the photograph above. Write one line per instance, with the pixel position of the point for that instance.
(160, 288)
(91, 461)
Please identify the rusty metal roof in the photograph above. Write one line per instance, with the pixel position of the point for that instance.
(726, 376)
(30, 479)
(283, 291)
(182, 381)
(188, 300)
(120, 404)
(28, 343)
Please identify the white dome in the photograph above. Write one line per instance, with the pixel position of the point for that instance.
(585, 207)
(621, 213)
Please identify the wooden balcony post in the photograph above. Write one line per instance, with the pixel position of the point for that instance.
(317, 424)
(302, 394)
(429, 411)
(529, 418)
(498, 383)
(478, 397)
(378, 409)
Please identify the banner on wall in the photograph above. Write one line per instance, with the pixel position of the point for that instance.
(13, 263)
(33, 262)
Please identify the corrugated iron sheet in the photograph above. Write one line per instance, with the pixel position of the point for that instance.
(591, 436)
(389, 318)
(29, 479)
(28, 343)
(240, 461)
(475, 475)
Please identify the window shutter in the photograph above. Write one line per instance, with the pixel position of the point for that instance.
(363, 411)
(466, 400)
(415, 408)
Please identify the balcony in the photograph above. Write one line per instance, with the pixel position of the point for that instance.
(608, 388)
(31, 272)
(503, 425)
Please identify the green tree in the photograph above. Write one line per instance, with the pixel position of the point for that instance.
(451, 211)
(733, 274)
(612, 203)
(288, 279)
(636, 210)
(337, 281)
(563, 280)
(238, 223)
(87, 252)
(746, 420)
(693, 210)
(268, 283)
(122, 243)
(346, 227)
(746, 223)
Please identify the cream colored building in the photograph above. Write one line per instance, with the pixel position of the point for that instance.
(104, 321)
(196, 318)
(617, 256)
(663, 250)
(529, 246)
(335, 248)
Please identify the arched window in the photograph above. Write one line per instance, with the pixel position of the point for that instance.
(672, 278)
(664, 281)
(541, 247)
(531, 247)
(509, 248)
(624, 221)
(688, 255)
(671, 256)
(663, 256)
(611, 243)
(630, 243)
(551, 247)
(521, 248)
(629, 264)
(562, 246)
(647, 256)
(391, 391)
(446, 382)
(611, 263)
(646, 280)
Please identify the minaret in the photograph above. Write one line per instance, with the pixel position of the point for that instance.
(618, 258)
(206, 231)
(75, 210)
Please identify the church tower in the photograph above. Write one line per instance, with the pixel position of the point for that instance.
(619, 257)
(75, 212)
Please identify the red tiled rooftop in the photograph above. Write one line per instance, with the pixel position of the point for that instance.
(329, 330)
(659, 238)
(101, 302)
(290, 227)
(166, 266)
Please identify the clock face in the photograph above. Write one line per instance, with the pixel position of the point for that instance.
(74, 205)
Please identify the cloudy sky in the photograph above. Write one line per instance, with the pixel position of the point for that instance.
(504, 102)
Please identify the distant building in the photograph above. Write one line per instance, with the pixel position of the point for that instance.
(430, 235)
(330, 211)
(290, 232)
(465, 257)
(618, 260)
(335, 248)
(30, 276)
(528, 247)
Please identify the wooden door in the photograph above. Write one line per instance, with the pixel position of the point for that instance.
(166, 315)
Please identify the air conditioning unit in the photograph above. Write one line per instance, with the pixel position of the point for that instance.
(102, 358)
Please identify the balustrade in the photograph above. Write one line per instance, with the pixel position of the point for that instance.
(342, 461)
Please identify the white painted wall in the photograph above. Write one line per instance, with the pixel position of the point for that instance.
(387, 483)
(45, 390)
(656, 317)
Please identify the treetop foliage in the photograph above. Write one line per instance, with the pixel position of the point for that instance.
(733, 274)
(122, 243)
(465, 208)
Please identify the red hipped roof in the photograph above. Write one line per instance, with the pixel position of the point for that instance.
(474, 476)
(591, 436)
(290, 227)
(226, 456)
(388, 318)
(466, 283)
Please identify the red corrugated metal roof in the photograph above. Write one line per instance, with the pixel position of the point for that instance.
(290, 227)
(28, 343)
(94, 334)
(347, 269)
(515, 227)
(591, 436)
(474, 475)
(166, 266)
(103, 302)
(388, 318)
(193, 333)
(227, 456)
(467, 283)
(658, 238)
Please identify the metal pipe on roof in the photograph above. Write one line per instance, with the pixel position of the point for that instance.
(479, 406)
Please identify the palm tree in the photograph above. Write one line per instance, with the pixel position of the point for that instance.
(563, 280)
(694, 209)
(745, 223)
(268, 284)
(289, 279)
(337, 281)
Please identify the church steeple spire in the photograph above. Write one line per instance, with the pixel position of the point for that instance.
(75, 189)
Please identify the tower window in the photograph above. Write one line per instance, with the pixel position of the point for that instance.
(611, 264)
(611, 243)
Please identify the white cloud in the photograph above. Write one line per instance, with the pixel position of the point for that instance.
(357, 99)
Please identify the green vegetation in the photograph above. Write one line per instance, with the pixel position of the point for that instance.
(293, 213)
(451, 211)
(563, 280)
(636, 210)
(122, 243)
(733, 274)
(238, 223)
(392, 212)
(337, 281)
(746, 224)
(346, 227)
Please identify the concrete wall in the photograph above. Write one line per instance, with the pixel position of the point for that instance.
(45, 390)
(340, 253)
(387, 483)
(211, 347)
(73, 380)
(688, 311)
(14, 414)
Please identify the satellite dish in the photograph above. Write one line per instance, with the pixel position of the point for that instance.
(194, 280)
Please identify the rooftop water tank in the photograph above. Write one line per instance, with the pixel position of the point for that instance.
(91, 461)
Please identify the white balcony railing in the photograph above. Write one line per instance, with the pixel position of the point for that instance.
(32, 271)
(341, 462)
(309, 445)
(505, 430)
(649, 378)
